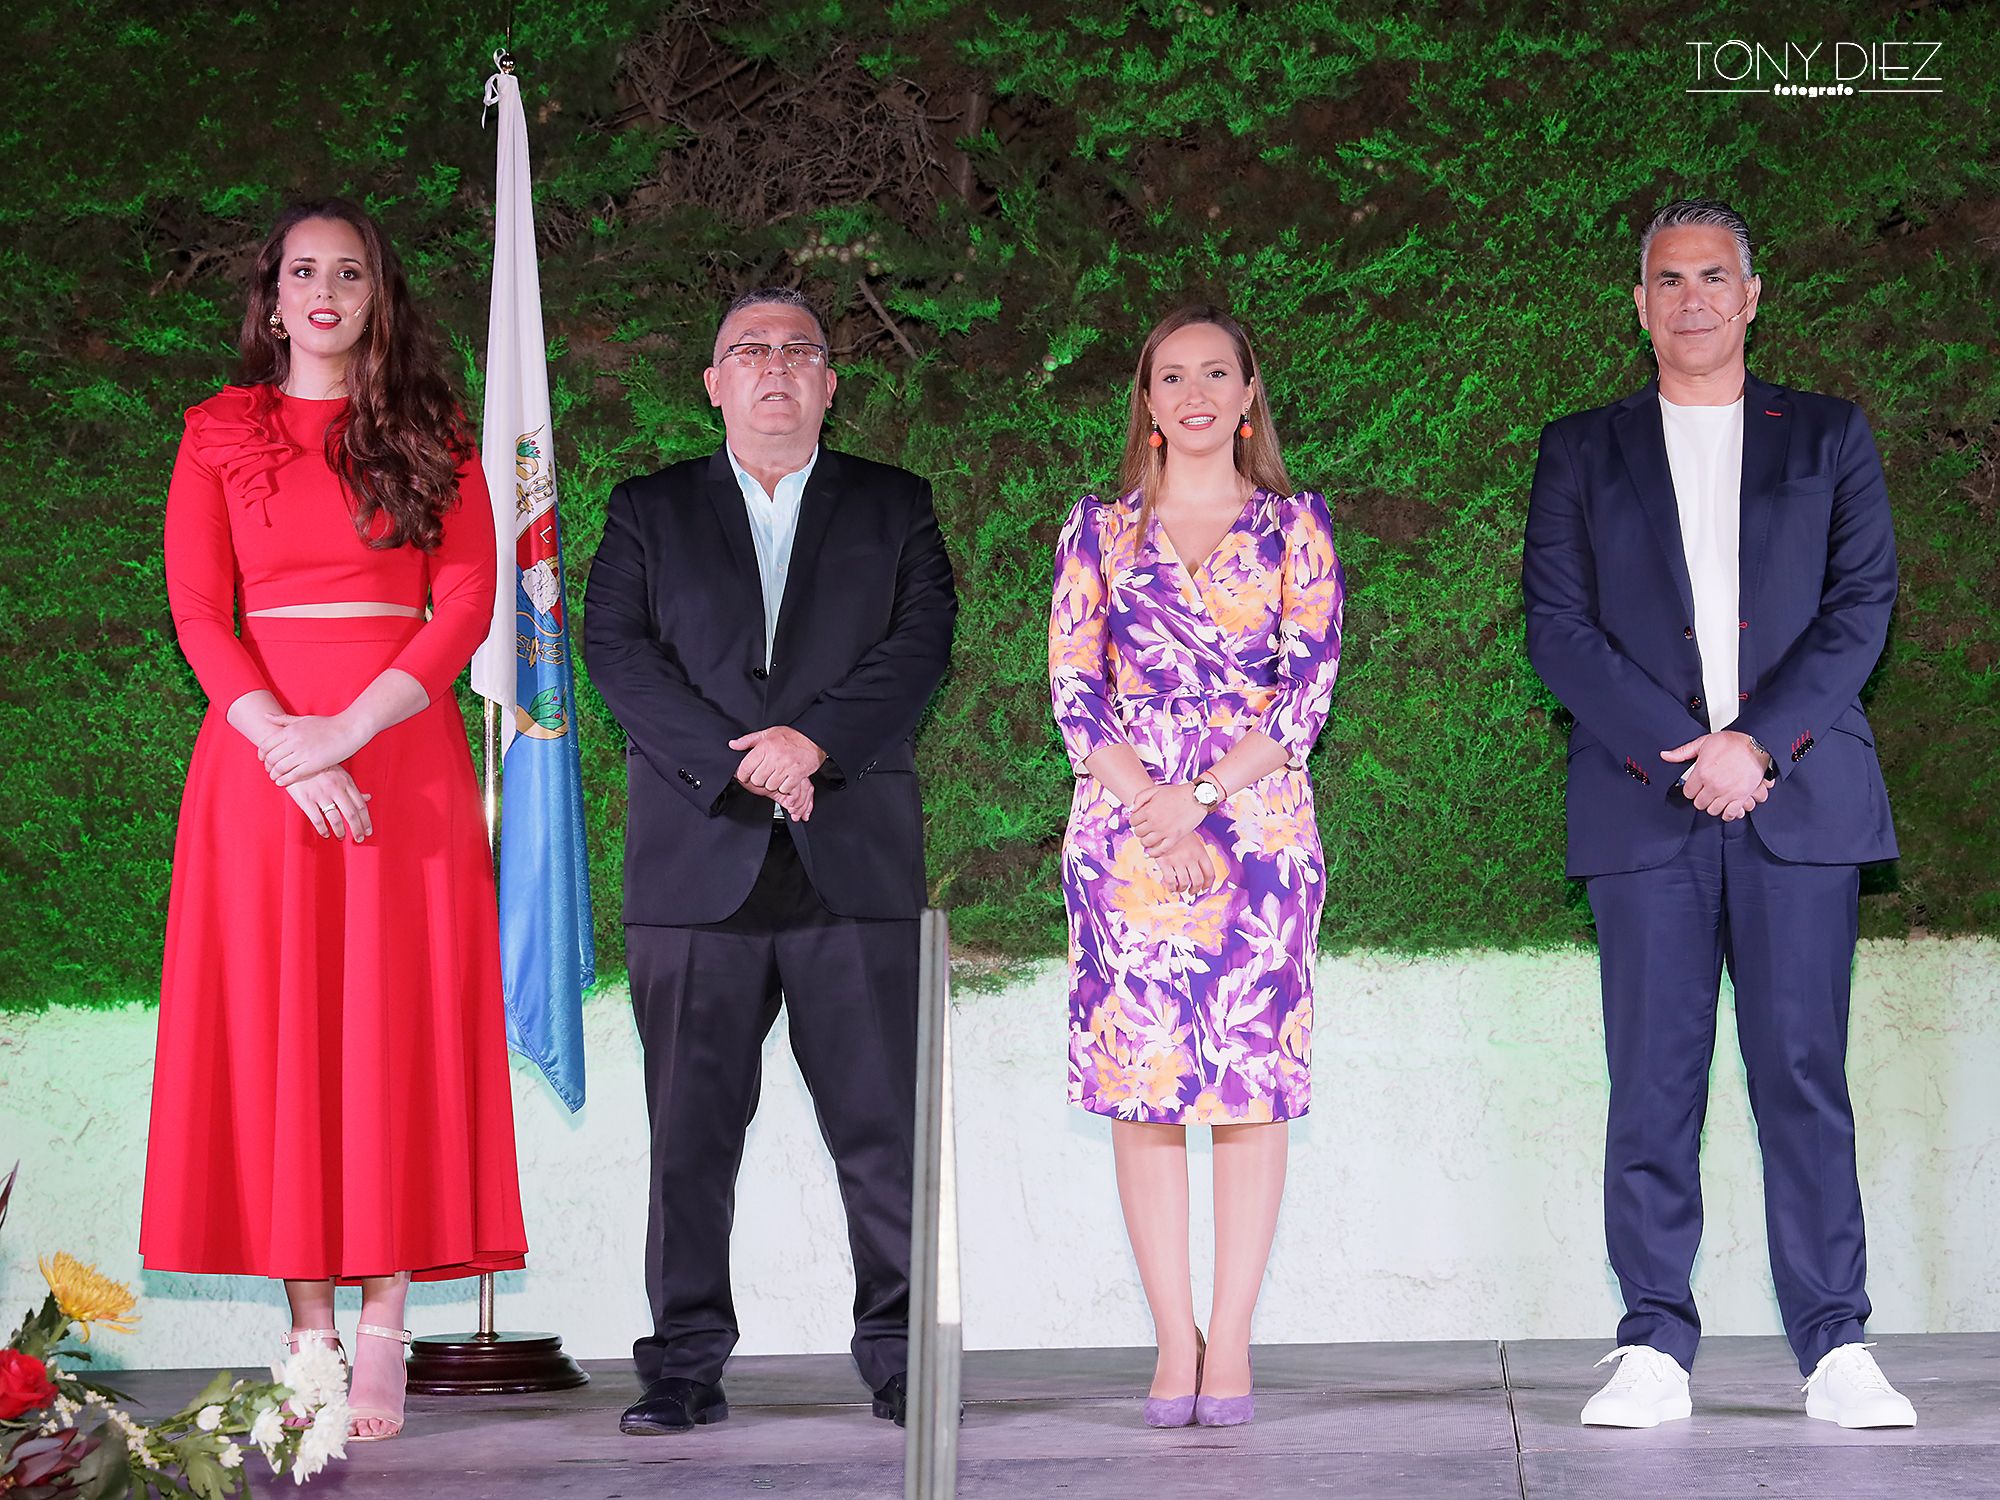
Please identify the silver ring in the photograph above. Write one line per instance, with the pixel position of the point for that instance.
(329, 807)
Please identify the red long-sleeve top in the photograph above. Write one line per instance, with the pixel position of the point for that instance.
(257, 519)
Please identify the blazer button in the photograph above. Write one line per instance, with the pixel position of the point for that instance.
(1687, 633)
(1694, 700)
(690, 778)
(759, 673)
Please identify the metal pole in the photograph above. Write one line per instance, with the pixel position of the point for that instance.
(930, 1463)
(490, 775)
(486, 1333)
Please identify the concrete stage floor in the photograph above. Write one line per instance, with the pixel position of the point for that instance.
(1406, 1421)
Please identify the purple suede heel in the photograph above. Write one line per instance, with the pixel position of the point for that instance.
(1224, 1411)
(1178, 1411)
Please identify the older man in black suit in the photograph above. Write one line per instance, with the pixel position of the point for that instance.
(767, 624)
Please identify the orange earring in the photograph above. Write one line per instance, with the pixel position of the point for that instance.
(1246, 430)
(1156, 441)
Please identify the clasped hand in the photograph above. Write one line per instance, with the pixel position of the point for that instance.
(1165, 813)
(336, 807)
(1188, 867)
(1165, 816)
(1727, 778)
(779, 763)
(303, 745)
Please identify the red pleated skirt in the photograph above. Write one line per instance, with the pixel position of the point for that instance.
(330, 1091)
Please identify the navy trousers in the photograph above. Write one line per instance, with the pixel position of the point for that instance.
(1786, 934)
(704, 999)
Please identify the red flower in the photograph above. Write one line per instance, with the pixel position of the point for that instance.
(24, 1384)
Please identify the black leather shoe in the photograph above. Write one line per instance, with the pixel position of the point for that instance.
(672, 1404)
(892, 1399)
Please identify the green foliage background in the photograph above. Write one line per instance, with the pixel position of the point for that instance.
(1426, 215)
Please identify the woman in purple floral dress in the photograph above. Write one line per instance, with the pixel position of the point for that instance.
(1193, 642)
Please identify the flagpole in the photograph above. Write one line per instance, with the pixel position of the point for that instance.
(489, 769)
(520, 479)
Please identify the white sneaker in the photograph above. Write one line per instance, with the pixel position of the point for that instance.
(1649, 1388)
(1848, 1387)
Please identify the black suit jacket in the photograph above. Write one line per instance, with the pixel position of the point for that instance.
(673, 632)
(1611, 625)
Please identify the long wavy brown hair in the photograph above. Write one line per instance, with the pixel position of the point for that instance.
(398, 446)
(1257, 456)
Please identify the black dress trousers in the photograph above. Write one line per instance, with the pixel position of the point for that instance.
(705, 998)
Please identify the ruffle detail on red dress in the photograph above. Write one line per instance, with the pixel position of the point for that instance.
(237, 433)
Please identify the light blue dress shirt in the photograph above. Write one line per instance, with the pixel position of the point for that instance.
(774, 522)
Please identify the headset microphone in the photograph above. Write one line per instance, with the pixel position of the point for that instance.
(1735, 316)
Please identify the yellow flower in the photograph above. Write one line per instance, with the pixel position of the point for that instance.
(86, 1295)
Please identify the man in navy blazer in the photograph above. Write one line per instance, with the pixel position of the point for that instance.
(1709, 571)
(767, 624)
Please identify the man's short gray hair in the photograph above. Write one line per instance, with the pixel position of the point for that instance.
(1707, 211)
(780, 296)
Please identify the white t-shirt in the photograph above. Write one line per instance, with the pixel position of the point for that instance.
(1705, 454)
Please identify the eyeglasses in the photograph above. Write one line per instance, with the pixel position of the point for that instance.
(800, 356)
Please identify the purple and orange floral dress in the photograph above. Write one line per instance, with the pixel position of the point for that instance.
(1194, 1009)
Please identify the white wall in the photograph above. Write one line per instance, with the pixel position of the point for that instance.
(1444, 1186)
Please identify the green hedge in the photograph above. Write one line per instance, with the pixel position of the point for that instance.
(1427, 221)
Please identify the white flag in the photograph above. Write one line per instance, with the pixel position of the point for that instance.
(547, 959)
(517, 394)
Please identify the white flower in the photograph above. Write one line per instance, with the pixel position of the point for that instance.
(331, 1422)
(310, 1458)
(231, 1456)
(316, 1375)
(268, 1430)
(325, 1439)
(135, 1435)
(208, 1418)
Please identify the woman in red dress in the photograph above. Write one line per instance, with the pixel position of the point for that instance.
(330, 1095)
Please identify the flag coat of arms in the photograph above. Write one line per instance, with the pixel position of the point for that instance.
(547, 954)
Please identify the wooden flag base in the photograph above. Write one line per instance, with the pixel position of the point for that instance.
(491, 1364)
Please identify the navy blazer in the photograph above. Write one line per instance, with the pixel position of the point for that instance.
(673, 634)
(1610, 616)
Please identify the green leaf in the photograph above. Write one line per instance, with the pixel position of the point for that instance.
(206, 1476)
(213, 1394)
(546, 709)
(106, 1471)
